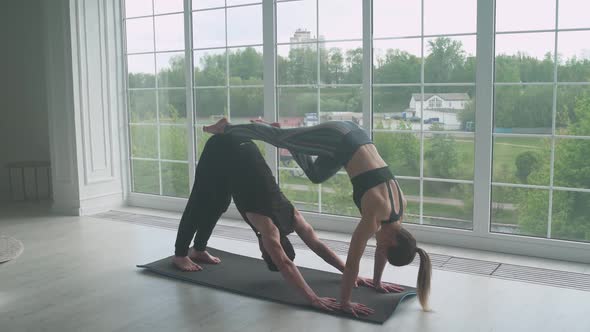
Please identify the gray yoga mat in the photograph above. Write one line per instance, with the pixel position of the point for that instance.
(250, 276)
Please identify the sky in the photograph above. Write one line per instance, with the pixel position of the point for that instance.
(342, 19)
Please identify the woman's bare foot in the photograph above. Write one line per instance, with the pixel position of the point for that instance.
(273, 124)
(184, 263)
(216, 128)
(202, 257)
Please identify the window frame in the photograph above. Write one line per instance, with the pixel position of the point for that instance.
(480, 237)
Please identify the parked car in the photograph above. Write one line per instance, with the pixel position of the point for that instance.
(310, 119)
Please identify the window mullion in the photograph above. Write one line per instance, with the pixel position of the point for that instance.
(367, 65)
(269, 74)
(189, 72)
(484, 92)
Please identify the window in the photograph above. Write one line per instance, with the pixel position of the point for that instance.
(157, 97)
(188, 67)
(541, 105)
(435, 103)
(419, 55)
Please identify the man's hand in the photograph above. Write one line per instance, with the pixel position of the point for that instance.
(357, 309)
(325, 303)
(381, 287)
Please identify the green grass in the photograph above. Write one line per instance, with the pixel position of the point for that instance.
(507, 149)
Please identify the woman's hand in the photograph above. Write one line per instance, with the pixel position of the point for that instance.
(360, 281)
(325, 303)
(381, 287)
(356, 309)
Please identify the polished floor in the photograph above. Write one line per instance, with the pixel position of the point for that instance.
(78, 274)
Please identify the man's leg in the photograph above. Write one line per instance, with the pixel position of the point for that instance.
(209, 199)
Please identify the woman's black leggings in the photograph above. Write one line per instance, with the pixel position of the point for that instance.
(323, 140)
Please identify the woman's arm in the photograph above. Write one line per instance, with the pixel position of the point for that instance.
(380, 262)
(363, 232)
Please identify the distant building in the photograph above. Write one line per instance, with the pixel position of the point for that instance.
(439, 107)
(302, 38)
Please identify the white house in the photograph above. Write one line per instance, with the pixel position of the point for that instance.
(439, 107)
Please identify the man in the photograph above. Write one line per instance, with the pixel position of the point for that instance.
(233, 167)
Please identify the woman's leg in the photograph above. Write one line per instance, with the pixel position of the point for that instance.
(322, 140)
(318, 170)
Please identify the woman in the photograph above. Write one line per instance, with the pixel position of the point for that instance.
(344, 144)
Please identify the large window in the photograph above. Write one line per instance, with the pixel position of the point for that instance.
(423, 94)
(157, 97)
(541, 177)
(410, 81)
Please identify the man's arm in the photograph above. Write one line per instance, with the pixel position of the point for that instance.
(310, 238)
(271, 241)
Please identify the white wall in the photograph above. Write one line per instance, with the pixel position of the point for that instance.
(85, 98)
(23, 107)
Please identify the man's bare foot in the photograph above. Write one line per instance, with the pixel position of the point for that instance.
(273, 124)
(202, 257)
(216, 128)
(184, 263)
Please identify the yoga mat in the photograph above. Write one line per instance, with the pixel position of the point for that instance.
(250, 276)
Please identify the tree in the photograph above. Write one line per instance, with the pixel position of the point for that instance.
(570, 209)
(302, 66)
(335, 67)
(397, 67)
(445, 60)
(526, 163)
(442, 156)
(174, 74)
(246, 65)
(354, 66)
(521, 107)
(401, 151)
(467, 116)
